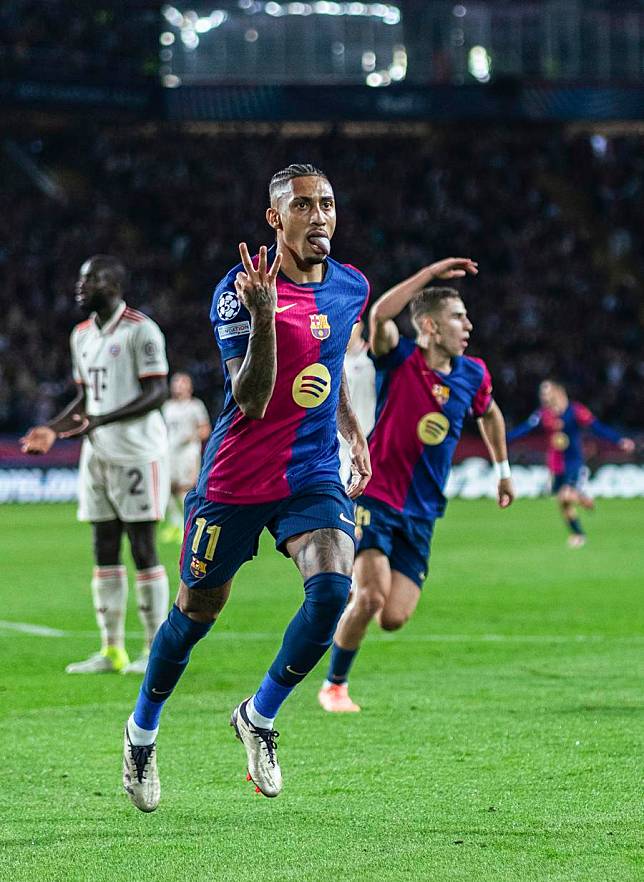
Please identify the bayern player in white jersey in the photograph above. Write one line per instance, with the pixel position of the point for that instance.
(188, 427)
(120, 368)
(361, 379)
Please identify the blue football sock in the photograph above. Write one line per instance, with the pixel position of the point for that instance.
(340, 664)
(169, 655)
(575, 526)
(306, 639)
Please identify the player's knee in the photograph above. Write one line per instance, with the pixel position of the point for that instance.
(144, 551)
(369, 603)
(326, 596)
(392, 620)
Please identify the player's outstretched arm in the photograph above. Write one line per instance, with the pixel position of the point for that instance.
(492, 428)
(40, 439)
(351, 430)
(253, 378)
(383, 332)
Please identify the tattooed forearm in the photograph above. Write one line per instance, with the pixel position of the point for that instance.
(254, 382)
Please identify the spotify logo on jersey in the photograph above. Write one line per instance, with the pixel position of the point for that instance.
(432, 428)
(311, 387)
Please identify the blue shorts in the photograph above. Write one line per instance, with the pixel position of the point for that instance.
(575, 478)
(405, 541)
(219, 537)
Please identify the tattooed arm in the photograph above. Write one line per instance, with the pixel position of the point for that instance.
(253, 377)
(351, 431)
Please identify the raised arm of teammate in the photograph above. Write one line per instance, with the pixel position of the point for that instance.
(533, 422)
(600, 430)
(351, 430)
(383, 333)
(492, 428)
(253, 376)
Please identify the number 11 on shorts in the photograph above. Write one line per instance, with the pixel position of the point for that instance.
(213, 531)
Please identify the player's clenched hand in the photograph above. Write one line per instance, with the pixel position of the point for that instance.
(38, 440)
(505, 492)
(256, 287)
(360, 467)
(626, 444)
(453, 268)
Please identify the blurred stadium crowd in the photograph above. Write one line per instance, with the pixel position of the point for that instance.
(553, 216)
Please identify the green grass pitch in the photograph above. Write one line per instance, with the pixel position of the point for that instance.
(500, 738)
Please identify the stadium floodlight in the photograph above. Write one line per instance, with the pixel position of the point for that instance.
(479, 63)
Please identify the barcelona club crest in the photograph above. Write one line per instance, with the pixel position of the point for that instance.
(320, 327)
(440, 393)
(197, 568)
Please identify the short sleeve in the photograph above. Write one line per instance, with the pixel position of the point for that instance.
(230, 319)
(149, 351)
(483, 396)
(583, 416)
(395, 357)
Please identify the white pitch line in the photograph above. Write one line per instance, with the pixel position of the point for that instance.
(35, 630)
(247, 636)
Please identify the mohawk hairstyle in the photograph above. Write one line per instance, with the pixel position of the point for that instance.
(295, 170)
(429, 301)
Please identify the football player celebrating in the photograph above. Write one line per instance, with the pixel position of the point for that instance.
(426, 388)
(120, 367)
(282, 321)
(564, 422)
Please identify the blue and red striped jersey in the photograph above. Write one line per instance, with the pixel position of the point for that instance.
(295, 444)
(419, 419)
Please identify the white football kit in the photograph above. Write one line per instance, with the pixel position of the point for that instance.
(124, 465)
(361, 378)
(183, 419)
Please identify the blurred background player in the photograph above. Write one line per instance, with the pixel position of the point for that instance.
(119, 364)
(188, 428)
(272, 461)
(425, 390)
(361, 380)
(564, 422)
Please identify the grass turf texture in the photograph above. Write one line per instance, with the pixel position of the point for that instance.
(498, 739)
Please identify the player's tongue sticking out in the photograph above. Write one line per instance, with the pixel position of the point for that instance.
(320, 242)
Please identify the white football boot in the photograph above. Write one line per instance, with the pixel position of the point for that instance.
(108, 661)
(261, 751)
(140, 774)
(139, 665)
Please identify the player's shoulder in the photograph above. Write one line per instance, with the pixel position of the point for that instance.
(82, 327)
(350, 273)
(474, 367)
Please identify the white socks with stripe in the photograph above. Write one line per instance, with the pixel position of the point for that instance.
(109, 590)
(152, 595)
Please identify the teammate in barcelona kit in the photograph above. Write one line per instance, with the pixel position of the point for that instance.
(564, 422)
(188, 427)
(119, 365)
(426, 388)
(282, 322)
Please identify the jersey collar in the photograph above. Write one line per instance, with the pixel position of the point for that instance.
(113, 320)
